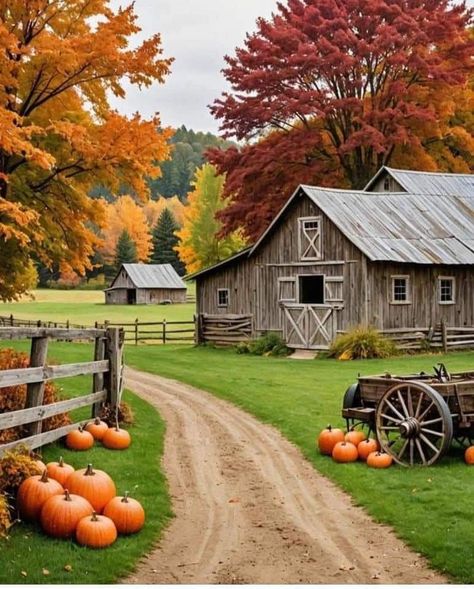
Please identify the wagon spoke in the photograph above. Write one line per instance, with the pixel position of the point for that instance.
(402, 403)
(429, 443)
(425, 412)
(432, 432)
(389, 427)
(396, 411)
(420, 450)
(418, 405)
(412, 446)
(431, 421)
(391, 418)
(402, 451)
(409, 401)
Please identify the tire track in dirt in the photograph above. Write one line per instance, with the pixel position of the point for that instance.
(250, 509)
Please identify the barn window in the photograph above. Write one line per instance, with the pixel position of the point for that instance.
(386, 184)
(311, 289)
(401, 290)
(286, 289)
(446, 290)
(222, 297)
(310, 238)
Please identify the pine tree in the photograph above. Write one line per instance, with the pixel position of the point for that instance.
(165, 240)
(126, 251)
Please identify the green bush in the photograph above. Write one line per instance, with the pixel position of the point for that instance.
(361, 342)
(270, 344)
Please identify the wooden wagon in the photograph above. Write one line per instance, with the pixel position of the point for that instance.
(415, 417)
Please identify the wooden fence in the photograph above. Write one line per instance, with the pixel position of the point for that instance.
(441, 336)
(163, 332)
(224, 330)
(106, 371)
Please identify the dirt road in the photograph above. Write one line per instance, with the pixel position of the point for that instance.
(250, 509)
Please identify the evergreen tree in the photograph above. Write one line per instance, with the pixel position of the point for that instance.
(165, 240)
(126, 251)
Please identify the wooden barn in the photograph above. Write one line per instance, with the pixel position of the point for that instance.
(146, 284)
(332, 259)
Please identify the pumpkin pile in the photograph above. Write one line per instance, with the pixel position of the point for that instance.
(112, 437)
(78, 503)
(352, 446)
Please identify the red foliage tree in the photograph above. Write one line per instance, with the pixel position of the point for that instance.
(329, 88)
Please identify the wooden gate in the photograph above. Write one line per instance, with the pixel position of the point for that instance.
(310, 327)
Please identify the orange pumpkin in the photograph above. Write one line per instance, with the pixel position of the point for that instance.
(95, 485)
(97, 428)
(96, 531)
(116, 439)
(328, 438)
(41, 465)
(355, 436)
(79, 439)
(127, 514)
(379, 460)
(60, 514)
(59, 471)
(345, 452)
(33, 493)
(367, 446)
(469, 455)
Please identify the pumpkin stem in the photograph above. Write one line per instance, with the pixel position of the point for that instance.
(67, 496)
(89, 471)
(329, 427)
(97, 420)
(61, 461)
(94, 517)
(125, 498)
(44, 476)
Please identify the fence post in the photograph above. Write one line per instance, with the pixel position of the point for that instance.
(98, 378)
(164, 331)
(114, 348)
(444, 335)
(35, 390)
(11, 320)
(136, 331)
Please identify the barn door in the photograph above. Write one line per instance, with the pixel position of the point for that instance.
(308, 326)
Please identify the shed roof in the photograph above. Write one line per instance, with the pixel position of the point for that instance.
(428, 182)
(402, 227)
(152, 276)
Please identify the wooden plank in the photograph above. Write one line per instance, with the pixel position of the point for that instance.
(98, 378)
(41, 439)
(35, 390)
(23, 416)
(19, 376)
(312, 263)
(114, 354)
(11, 333)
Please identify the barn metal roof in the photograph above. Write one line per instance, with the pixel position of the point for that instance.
(153, 276)
(429, 182)
(402, 227)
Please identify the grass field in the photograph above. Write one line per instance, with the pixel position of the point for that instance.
(85, 307)
(430, 508)
(137, 470)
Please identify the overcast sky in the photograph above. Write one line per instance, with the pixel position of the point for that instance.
(197, 33)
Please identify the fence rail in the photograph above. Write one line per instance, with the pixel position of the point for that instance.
(224, 330)
(162, 332)
(106, 371)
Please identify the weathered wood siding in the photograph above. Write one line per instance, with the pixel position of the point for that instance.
(424, 309)
(146, 296)
(254, 283)
(393, 185)
(123, 280)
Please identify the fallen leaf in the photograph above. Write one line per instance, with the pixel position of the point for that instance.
(45, 572)
(24, 573)
(234, 500)
(68, 568)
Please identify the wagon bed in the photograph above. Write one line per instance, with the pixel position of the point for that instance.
(415, 417)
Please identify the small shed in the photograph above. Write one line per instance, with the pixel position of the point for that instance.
(146, 284)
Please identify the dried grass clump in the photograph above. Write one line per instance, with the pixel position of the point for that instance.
(124, 415)
(16, 466)
(362, 342)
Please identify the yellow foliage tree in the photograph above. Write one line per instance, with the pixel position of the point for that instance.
(200, 245)
(154, 208)
(59, 137)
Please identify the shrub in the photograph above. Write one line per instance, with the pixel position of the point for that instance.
(361, 342)
(14, 398)
(124, 415)
(270, 344)
(16, 466)
(5, 518)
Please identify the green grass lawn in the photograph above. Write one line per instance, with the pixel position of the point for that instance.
(430, 508)
(136, 470)
(85, 307)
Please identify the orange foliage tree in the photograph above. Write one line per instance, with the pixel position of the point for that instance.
(126, 215)
(59, 62)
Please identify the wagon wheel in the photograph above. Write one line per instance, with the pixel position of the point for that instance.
(413, 424)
